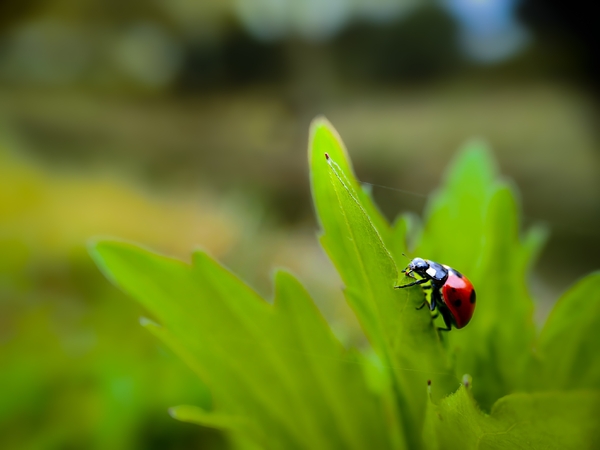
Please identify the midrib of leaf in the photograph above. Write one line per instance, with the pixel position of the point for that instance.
(363, 271)
(337, 148)
(405, 415)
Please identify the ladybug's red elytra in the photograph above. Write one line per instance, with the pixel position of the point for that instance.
(451, 292)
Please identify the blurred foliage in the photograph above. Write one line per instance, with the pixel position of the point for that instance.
(550, 420)
(76, 370)
(280, 379)
(278, 375)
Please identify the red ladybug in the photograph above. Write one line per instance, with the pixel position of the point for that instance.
(451, 292)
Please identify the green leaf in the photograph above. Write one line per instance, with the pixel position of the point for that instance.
(355, 239)
(569, 342)
(239, 428)
(325, 139)
(455, 214)
(277, 366)
(473, 225)
(517, 421)
(197, 415)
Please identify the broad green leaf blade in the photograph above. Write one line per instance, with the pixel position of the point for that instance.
(197, 320)
(325, 139)
(333, 375)
(277, 367)
(454, 217)
(473, 226)
(404, 337)
(569, 342)
(495, 348)
(456, 423)
(553, 420)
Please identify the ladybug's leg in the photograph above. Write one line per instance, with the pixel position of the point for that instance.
(421, 281)
(435, 301)
(447, 316)
(435, 298)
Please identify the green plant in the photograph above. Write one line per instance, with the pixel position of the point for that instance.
(280, 379)
(73, 372)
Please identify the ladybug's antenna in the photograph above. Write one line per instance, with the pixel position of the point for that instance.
(404, 271)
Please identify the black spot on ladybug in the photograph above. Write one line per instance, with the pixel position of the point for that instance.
(473, 296)
(458, 274)
(457, 303)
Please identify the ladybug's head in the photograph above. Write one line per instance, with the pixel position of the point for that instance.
(418, 265)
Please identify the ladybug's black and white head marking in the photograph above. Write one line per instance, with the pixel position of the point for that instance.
(427, 269)
(417, 265)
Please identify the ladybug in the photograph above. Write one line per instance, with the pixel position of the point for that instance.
(451, 292)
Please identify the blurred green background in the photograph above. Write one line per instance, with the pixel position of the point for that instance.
(181, 123)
